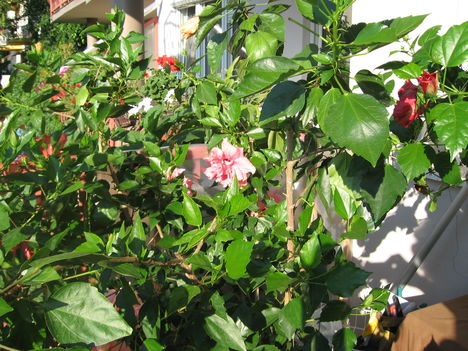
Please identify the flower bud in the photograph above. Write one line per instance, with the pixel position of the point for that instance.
(428, 82)
(190, 27)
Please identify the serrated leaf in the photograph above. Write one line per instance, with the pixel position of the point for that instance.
(224, 332)
(264, 73)
(206, 92)
(312, 106)
(215, 50)
(237, 258)
(413, 160)
(292, 318)
(408, 71)
(79, 313)
(373, 85)
(137, 238)
(285, 99)
(451, 49)
(358, 122)
(381, 189)
(260, 45)
(344, 278)
(277, 281)
(451, 125)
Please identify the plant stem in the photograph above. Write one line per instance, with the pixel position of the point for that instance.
(3, 347)
(308, 29)
(81, 274)
(290, 200)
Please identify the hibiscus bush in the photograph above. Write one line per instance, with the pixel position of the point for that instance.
(156, 210)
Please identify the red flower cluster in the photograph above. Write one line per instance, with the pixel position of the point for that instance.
(49, 150)
(406, 109)
(164, 61)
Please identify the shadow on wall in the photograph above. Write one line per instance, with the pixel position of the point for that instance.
(386, 253)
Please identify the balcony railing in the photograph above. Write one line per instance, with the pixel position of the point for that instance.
(56, 5)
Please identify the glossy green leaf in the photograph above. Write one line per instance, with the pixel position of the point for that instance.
(238, 257)
(260, 45)
(358, 229)
(285, 99)
(312, 106)
(448, 170)
(382, 188)
(377, 299)
(215, 50)
(13, 238)
(408, 71)
(291, 318)
(328, 100)
(373, 85)
(206, 92)
(272, 23)
(79, 313)
(413, 160)
(264, 73)
(358, 122)
(277, 281)
(33, 276)
(77, 257)
(4, 307)
(205, 25)
(451, 49)
(137, 238)
(344, 340)
(451, 125)
(225, 332)
(82, 96)
(319, 343)
(344, 278)
(311, 254)
(335, 310)
(191, 211)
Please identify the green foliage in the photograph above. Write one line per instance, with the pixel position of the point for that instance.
(108, 234)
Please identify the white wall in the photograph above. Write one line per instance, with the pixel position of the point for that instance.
(169, 36)
(444, 273)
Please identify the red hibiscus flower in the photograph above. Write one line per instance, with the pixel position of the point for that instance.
(406, 110)
(428, 82)
(170, 61)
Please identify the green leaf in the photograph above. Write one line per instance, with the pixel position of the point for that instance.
(68, 256)
(312, 106)
(137, 238)
(206, 24)
(225, 332)
(448, 170)
(315, 10)
(264, 73)
(260, 45)
(4, 220)
(4, 307)
(328, 100)
(358, 122)
(206, 92)
(191, 211)
(277, 281)
(344, 340)
(344, 278)
(377, 299)
(381, 189)
(79, 313)
(335, 310)
(292, 318)
(451, 49)
(408, 71)
(373, 85)
(285, 99)
(358, 229)
(238, 257)
(413, 160)
(451, 125)
(311, 254)
(33, 276)
(272, 23)
(82, 96)
(215, 50)
(13, 238)
(152, 345)
(181, 297)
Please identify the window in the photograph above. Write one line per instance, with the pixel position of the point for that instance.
(191, 53)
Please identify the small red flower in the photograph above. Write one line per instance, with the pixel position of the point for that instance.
(428, 82)
(170, 61)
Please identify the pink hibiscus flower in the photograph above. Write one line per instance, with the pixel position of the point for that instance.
(227, 162)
